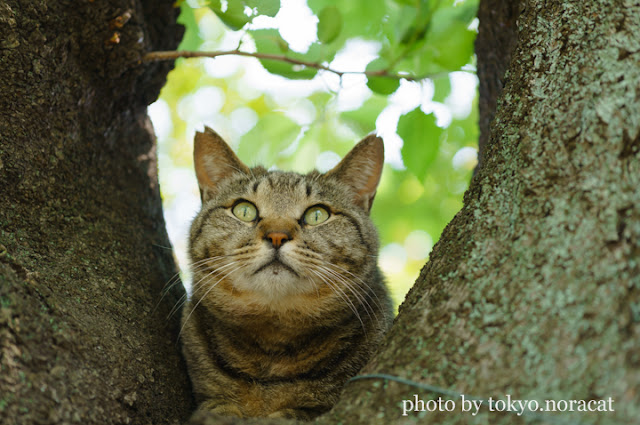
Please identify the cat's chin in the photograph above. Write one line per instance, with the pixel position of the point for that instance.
(275, 284)
(275, 268)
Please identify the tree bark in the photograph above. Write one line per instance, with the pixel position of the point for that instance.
(496, 40)
(84, 337)
(534, 288)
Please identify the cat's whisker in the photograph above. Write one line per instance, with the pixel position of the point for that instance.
(196, 286)
(204, 284)
(209, 260)
(246, 249)
(177, 306)
(210, 272)
(369, 292)
(340, 293)
(204, 296)
(349, 284)
(167, 286)
(338, 275)
(175, 279)
(365, 284)
(359, 297)
(165, 290)
(206, 267)
(196, 264)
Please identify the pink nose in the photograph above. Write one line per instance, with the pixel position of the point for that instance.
(277, 238)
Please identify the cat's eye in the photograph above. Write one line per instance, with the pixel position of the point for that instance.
(245, 211)
(316, 215)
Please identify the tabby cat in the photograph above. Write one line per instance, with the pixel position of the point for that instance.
(287, 301)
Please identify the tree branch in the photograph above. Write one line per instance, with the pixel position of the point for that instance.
(172, 55)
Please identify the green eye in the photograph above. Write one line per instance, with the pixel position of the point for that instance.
(316, 215)
(245, 211)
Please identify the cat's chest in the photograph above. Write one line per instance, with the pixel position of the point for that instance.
(269, 354)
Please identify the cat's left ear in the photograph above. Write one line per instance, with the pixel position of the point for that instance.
(214, 161)
(361, 170)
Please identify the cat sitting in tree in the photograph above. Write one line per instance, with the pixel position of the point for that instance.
(287, 302)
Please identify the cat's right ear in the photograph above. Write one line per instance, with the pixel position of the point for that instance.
(214, 161)
(361, 170)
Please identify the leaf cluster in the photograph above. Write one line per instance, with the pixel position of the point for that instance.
(423, 40)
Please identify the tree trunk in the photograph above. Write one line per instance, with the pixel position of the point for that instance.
(534, 288)
(496, 40)
(83, 248)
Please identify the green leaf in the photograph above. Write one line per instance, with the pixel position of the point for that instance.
(270, 42)
(407, 2)
(466, 11)
(329, 24)
(264, 7)
(363, 119)
(454, 50)
(320, 99)
(421, 138)
(446, 46)
(381, 85)
(191, 39)
(361, 18)
(442, 88)
(449, 42)
(317, 53)
(272, 134)
(423, 13)
(234, 15)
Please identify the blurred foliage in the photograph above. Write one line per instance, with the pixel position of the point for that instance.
(296, 117)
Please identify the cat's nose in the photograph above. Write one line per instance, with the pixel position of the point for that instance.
(277, 238)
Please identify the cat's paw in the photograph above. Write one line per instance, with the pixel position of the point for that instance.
(221, 409)
(294, 414)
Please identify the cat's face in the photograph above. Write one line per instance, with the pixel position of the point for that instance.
(274, 237)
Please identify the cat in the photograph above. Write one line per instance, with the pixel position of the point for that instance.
(287, 302)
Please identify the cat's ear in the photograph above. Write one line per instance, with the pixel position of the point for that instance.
(214, 161)
(361, 170)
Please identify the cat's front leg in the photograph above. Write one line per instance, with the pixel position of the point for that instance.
(303, 414)
(218, 408)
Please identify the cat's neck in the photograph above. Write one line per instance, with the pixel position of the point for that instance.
(289, 318)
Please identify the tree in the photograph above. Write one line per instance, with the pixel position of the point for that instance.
(533, 289)
(83, 249)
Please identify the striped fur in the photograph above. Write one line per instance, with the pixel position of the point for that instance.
(276, 330)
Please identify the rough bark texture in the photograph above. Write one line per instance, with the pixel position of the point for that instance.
(83, 249)
(496, 40)
(534, 287)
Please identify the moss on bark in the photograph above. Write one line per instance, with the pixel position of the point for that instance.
(534, 287)
(83, 249)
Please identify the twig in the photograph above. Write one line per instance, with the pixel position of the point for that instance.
(172, 55)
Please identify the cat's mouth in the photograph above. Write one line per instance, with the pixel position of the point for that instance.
(275, 266)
